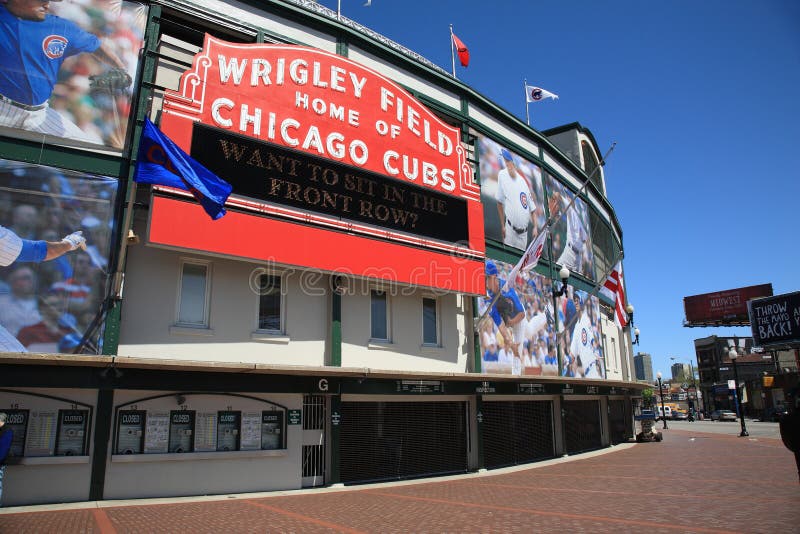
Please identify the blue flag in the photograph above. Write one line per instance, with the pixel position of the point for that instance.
(162, 162)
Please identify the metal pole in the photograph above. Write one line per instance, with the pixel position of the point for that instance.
(452, 51)
(661, 394)
(527, 108)
(743, 433)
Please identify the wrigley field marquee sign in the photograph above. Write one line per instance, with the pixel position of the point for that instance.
(310, 137)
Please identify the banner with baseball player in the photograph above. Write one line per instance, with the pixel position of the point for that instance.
(517, 335)
(579, 335)
(55, 237)
(570, 231)
(512, 194)
(67, 69)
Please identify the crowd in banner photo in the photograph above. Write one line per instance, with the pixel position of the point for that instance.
(66, 68)
(55, 231)
(517, 334)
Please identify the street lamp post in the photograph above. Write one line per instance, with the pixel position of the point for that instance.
(733, 355)
(661, 394)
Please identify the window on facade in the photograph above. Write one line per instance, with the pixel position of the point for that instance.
(430, 322)
(193, 306)
(269, 303)
(614, 357)
(379, 315)
(590, 163)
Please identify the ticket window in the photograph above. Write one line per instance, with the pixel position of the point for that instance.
(71, 434)
(130, 431)
(17, 422)
(271, 430)
(181, 430)
(228, 424)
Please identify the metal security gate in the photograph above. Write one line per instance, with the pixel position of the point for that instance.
(313, 440)
(582, 426)
(400, 440)
(517, 432)
(619, 421)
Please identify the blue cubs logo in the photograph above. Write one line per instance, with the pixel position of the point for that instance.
(54, 46)
(536, 94)
(584, 336)
(523, 199)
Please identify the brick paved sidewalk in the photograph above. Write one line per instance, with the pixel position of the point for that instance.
(690, 482)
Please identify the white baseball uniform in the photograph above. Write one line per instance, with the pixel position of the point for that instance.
(10, 246)
(583, 345)
(515, 196)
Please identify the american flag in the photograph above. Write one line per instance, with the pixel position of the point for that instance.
(613, 288)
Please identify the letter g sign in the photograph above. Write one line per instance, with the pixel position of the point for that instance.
(323, 384)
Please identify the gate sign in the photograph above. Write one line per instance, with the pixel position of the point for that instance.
(775, 321)
(345, 156)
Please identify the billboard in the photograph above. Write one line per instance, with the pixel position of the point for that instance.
(52, 283)
(328, 160)
(67, 69)
(517, 335)
(579, 336)
(570, 233)
(775, 321)
(512, 194)
(727, 307)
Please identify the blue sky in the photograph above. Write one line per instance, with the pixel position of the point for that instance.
(702, 100)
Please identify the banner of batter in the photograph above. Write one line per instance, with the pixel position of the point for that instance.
(517, 336)
(67, 69)
(579, 335)
(512, 195)
(571, 233)
(55, 237)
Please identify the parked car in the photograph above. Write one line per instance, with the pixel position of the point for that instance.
(680, 415)
(774, 414)
(723, 415)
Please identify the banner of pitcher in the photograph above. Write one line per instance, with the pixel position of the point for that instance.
(67, 70)
(522, 334)
(513, 195)
(56, 229)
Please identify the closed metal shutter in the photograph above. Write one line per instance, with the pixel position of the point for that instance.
(399, 440)
(582, 426)
(517, 432)
(619, 421)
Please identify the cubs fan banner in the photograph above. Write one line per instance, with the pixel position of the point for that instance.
(306, 136)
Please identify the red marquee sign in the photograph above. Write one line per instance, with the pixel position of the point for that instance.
(383, 148)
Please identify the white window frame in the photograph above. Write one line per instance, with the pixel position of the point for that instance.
(205, 323)
(438, 319)
(388, 338)
(259, 333)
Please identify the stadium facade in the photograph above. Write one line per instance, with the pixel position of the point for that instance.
(333, 327)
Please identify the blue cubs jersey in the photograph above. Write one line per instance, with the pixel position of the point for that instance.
(31, 53)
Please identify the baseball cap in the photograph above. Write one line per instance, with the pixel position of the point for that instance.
(506, 154)
(491, 268)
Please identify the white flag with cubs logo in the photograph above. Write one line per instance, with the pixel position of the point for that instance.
(613, 289)
(530, 259)
(536, 94)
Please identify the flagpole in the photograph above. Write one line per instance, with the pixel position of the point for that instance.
(547, 226)
(527, 104)
(339, 9)
(452, 51)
